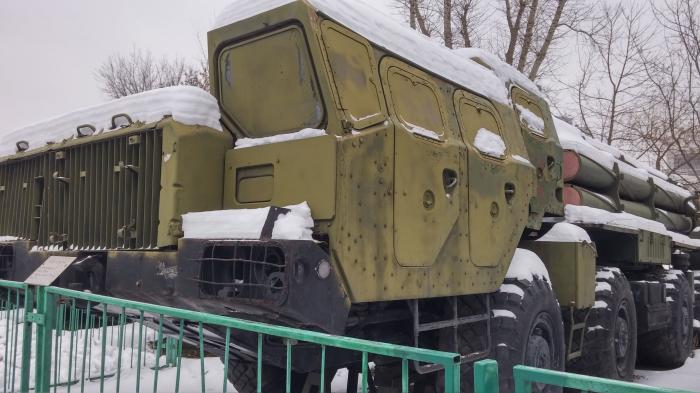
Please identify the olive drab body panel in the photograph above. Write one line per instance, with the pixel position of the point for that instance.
(414, 209)
(544, 152)
(125, 189)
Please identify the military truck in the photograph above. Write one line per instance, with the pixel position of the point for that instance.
(448, 208)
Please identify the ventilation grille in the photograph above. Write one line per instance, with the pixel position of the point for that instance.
(99, 195)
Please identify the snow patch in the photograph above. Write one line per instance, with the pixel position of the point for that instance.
(565, 232)
(600, 304)
(523, 160)
(504, 71)
(185, 104)
(490, 143)
(526, 265)
(512, 288)
(418, 130)
(530, 119)
(605, 274)
(303, 134)
(590, 215)
(248, 224)
(503, 314)
(684, 240)
(366, 19)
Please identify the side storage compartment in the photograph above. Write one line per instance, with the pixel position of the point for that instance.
(571, 268)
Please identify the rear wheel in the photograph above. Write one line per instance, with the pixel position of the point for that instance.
(610, 342)
(527, 328)
(670, 347)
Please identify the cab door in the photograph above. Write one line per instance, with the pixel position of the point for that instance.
(426, 162)
(497, 197)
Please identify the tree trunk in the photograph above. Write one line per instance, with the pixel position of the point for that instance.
(463, 14)
(542, 53)
(529, 32)
(514, 27)
(447, 22)
(413, 4)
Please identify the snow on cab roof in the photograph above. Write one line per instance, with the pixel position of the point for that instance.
(186, 104)
(364, 18)
(505, 72)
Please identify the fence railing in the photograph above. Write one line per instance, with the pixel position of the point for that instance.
(486, 381)
(86, 339)
(60, 340)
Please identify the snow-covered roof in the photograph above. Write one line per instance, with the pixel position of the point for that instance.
(186, 104)
(367, 20)
(506, 72)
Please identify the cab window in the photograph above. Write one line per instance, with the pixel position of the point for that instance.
(268, 85)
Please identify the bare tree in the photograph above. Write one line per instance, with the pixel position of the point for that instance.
(612, 72)
(532, 27)
(125, 74)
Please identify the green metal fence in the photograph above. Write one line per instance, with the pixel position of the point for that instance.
(486, 381)
(71, 341)
(60, 340)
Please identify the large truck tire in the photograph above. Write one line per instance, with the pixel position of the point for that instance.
(527, 328)
(670, 347)
(610, 342)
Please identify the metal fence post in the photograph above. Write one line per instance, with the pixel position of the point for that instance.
(45, 320)
(486, 377)
(26, 342)
(452, 376)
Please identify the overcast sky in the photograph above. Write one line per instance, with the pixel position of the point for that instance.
(50, 49)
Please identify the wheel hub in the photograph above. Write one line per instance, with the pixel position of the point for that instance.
(539, 352)
(685, 321)
(622, 337)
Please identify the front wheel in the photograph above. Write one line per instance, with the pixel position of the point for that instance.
(527, 329)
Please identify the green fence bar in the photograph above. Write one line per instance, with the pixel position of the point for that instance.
(525, 376)
(486, 377)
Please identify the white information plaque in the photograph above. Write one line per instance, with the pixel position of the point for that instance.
(49, 271)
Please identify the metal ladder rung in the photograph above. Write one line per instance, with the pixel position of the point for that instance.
(451, 323)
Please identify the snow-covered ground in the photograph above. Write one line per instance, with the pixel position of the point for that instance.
(686, 377)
